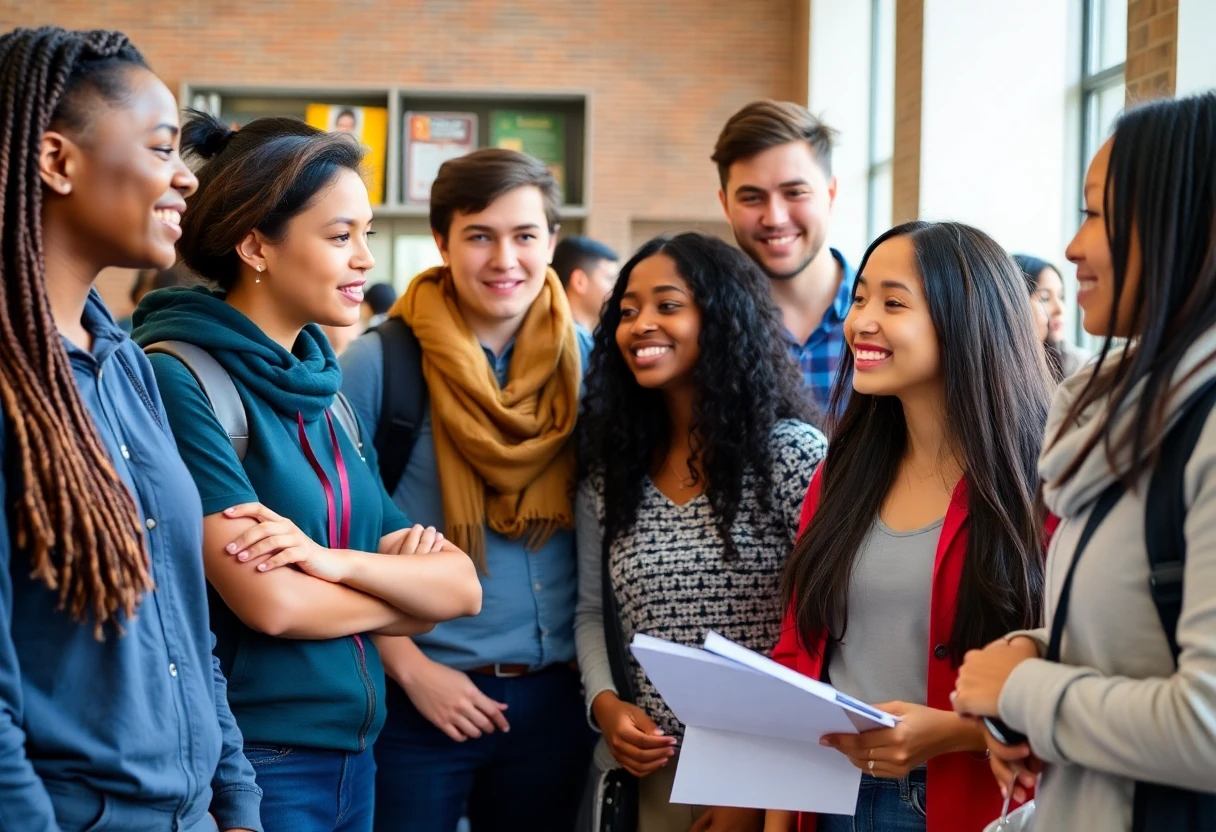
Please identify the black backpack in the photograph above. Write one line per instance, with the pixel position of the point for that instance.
(1158, 807)
(226, 402)
(403, 400)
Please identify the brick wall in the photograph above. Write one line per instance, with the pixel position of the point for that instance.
(905, 164)
(1152, 49)
(663, 77)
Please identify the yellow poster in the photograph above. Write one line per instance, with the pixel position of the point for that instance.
(369, 125)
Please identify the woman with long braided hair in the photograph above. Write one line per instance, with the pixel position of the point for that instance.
(113, 713)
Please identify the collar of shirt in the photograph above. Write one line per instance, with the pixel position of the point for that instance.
(839, 309)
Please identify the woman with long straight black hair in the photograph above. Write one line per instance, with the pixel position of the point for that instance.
(1117, 694)
(921, 537)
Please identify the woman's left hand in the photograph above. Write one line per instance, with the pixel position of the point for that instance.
(922, 733)
(276, 541)
(729, 819)
(977, 691)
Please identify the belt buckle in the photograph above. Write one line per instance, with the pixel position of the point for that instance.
(501, 674)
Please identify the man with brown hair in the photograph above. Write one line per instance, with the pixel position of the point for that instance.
(775, 167)
(483, 712)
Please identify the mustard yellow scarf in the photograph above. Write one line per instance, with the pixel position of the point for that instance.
(505, 455)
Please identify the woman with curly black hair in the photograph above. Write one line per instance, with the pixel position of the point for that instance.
(696, 451)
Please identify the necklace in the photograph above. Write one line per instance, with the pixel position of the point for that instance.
(684, 484)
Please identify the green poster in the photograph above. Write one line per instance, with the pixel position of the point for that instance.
(542, 135)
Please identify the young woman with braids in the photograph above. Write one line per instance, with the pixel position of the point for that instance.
(280, 226)
(922, 537)
(697, 452)
(113, 713)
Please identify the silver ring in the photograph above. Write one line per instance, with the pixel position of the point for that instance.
(871, 765)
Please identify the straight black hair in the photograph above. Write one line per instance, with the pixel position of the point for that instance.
(1161, 190)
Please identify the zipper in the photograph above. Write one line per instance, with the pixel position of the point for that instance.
(371, 693)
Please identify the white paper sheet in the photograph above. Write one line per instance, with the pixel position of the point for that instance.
(753, 728)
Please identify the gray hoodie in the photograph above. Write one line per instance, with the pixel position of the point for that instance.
(1115, 710)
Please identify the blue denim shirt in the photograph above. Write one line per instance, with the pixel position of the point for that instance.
(528, 597)
(131, 733)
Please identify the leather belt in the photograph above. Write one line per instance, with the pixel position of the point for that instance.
(511, 671)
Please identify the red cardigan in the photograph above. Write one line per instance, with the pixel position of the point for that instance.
(960, 793)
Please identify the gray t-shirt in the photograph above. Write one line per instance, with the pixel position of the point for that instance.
(884, 656)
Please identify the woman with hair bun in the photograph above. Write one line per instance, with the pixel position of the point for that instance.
(280, 226)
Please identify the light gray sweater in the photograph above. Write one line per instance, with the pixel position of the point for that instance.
(1115, 710)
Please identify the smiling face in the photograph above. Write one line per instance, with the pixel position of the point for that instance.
(1050, 290)
(499, 257)
(1090, 251)
(889, 329)
(317, 271)
(120, 184)
(660, 326)
(779, 204)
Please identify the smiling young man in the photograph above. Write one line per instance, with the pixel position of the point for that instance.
(775, 166)
(485, 712)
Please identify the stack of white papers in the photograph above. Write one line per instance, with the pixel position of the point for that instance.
(752, 728)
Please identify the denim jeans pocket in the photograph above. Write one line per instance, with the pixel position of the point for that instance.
(916, 797)
(265, 755)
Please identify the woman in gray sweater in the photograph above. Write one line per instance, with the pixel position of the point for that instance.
(1115, 718)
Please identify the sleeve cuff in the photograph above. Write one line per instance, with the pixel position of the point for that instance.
(1031, 699)
(238, 807)
(591, 694)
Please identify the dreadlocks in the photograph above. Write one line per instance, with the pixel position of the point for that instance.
(74, 515)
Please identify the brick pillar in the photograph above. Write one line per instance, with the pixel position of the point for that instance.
(905, 164)
(1152, 49)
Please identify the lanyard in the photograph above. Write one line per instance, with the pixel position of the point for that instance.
(339, 532)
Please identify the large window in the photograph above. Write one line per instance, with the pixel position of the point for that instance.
(882, 117)
(1103, 90)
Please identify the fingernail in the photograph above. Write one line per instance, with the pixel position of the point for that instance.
(243, 556)
(826, 742)
(1004, 793)
(261, 567)
(231, 547)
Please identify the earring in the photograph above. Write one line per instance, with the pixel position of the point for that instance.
(258, 279)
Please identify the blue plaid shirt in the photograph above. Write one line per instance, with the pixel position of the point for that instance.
(819, 357)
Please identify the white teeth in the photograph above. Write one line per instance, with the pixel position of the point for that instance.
(651, 352)
(353, 292)
(871, 355)
(780, 241)
(169, 216)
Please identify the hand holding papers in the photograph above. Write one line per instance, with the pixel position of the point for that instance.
(752, 728)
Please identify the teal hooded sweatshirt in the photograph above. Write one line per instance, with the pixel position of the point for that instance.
(320, 694)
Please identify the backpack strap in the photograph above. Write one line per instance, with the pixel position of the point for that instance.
(403, 400)
(1165, 511)
(344, 412)
(226, 401)
(217, 386)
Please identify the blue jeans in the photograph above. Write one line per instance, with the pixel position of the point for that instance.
(530, 778)
(883, 805)
(312, 789)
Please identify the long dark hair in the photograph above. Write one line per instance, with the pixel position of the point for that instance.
(1161, 188)
(73, 513)
(745, 382)
(997, 394)
(1031, 268)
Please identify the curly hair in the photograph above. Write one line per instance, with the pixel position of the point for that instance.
(745, 382)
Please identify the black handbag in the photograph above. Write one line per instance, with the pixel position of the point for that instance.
(618, 789)
(1157, 807)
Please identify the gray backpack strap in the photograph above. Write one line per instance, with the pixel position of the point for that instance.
(218, 387)
(344, 412)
